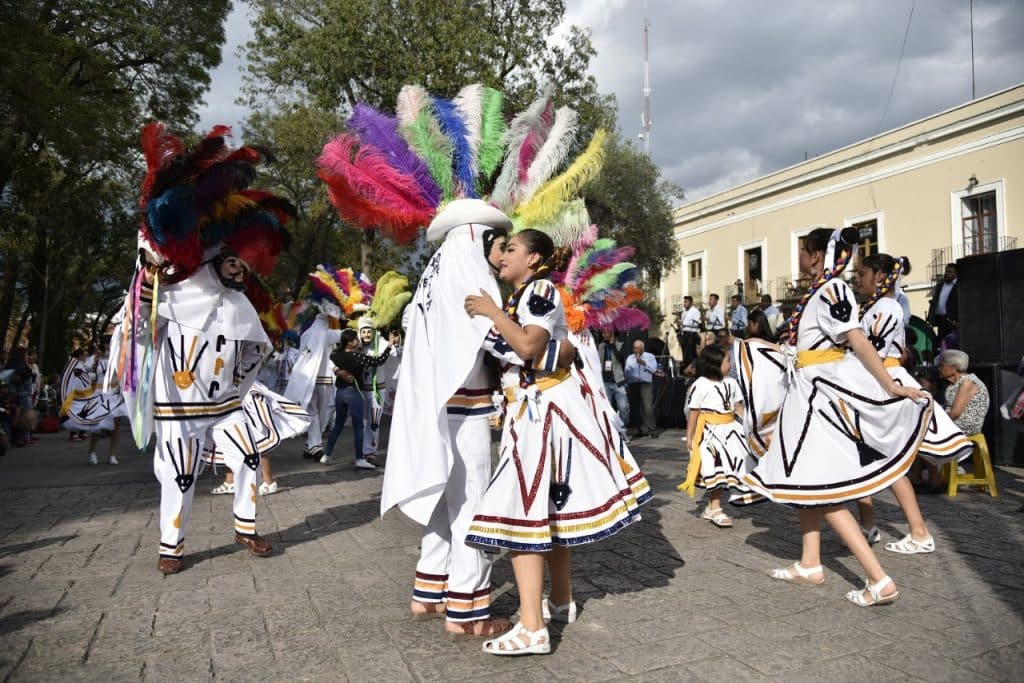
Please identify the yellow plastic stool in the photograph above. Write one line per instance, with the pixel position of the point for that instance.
(983, 475)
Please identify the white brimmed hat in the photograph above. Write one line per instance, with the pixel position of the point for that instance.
(463, 212)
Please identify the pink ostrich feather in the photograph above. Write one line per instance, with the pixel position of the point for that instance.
(367, 171)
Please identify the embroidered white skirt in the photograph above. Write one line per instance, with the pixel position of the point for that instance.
(563, 478)
(839, 437)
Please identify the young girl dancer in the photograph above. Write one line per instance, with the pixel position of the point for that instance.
(845, 430)
(882, 322)
(557, 483)
(719, 456)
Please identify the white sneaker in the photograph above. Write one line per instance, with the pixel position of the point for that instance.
(92, 459)
(112, 460)
(266, 489)
(364, 464)
(326, 460)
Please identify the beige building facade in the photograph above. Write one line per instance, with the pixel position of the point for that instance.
(935, 190)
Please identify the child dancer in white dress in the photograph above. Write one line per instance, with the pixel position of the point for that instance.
(882, 322)
(719, 456)
(845, 430)
(557, 483)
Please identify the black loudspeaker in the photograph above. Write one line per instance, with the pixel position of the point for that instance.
(1011, 296)
(980, 307)
(990, 288)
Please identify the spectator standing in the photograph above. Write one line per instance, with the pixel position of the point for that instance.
(21, 380)
(943, 311)
(689, 330)
(738, 319)
(772, 314)
(641, 367)
(612, 352)
(715, 318)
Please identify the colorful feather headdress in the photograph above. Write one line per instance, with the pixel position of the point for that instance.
(284, 321)
(195, 199)
(349, 290)
(393, 173)
(599, 285)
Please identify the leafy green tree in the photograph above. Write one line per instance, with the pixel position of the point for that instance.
(336, 53)
(77, 80)
(295, 135)
(631, 203)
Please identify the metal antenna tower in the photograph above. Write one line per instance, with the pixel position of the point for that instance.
(645, 116)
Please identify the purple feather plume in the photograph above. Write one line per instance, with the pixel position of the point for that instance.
(381, 131)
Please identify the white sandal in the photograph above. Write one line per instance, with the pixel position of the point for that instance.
(873, 535)
(908, 546)
(875, 590)
(717, 517)
(798, 575)
(565, 614)
(223, 488)
(519, 641)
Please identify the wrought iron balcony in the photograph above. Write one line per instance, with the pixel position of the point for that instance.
(946, 255)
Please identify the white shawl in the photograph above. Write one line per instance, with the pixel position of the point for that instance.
(442, 345)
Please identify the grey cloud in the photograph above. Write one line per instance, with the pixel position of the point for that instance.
(743, 88)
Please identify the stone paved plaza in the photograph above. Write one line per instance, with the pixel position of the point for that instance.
(670, 599)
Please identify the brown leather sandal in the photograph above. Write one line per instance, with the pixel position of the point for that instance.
(488, 628)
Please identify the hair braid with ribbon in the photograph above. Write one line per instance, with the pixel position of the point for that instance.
(846, 249)
(885, 286)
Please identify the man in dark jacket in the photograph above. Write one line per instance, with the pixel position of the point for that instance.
(943, 311)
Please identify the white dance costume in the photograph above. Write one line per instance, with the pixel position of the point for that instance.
(761, 375)
(311, 383)
(883, 326)
(718, 439)
(840, 436)
(559, 479)
(86, 407)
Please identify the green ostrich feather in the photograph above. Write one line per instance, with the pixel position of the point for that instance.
(492, 129)
(391, 296)
(424, 135)
(606, 279)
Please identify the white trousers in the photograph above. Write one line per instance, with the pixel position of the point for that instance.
(373, 410)
(178, 451)
(449, 570)
(321, 412)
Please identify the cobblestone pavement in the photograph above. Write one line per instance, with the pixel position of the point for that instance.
(672, 598)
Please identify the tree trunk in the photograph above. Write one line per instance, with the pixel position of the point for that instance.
(8, 288)
(366, 251)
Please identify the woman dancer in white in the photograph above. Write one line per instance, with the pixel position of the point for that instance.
(556, 484)
(882, 322)
(845, 430)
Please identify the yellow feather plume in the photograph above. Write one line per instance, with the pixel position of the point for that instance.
(547, 202)
(390, 298)
(230, 206)
(325, 279)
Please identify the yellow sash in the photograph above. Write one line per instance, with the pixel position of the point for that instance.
(891, 362)
(75, 395)
(693, 469)
(830, 355)
(542, 384)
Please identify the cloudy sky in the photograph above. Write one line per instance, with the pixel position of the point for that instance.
(741, 88)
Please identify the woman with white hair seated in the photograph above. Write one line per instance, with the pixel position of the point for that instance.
(966, 401)
(966, 396)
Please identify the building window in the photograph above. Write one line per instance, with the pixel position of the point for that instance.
(695, 277)
(978, 220)
(752, 283)
(868, 232)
